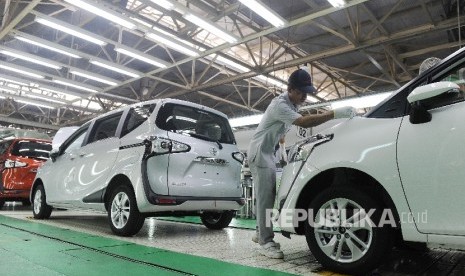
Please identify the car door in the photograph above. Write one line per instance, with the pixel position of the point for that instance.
(431, 160)
(208, 169)
(96, 158)
(62, 171)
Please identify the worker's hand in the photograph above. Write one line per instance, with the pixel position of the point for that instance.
(344, 112)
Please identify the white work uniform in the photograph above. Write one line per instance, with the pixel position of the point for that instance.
(276, 121)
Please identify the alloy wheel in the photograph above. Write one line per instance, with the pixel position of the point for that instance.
(343, 230)
(120, 210)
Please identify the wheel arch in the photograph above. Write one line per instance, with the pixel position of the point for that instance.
(37, 182)
(117, 180)
(344, 177)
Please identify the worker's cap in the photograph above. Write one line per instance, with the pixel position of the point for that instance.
(301, 80)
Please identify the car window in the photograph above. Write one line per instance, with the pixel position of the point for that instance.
(75, 141)
(4, 146)
(194, 122)
(32, 149)
(105, 128)
(136, 116)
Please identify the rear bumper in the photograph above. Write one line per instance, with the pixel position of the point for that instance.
(14, 194)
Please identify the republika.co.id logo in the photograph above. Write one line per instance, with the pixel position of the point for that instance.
(342, 217)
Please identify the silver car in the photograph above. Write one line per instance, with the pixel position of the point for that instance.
(155, 158)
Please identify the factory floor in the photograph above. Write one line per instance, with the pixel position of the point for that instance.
(81, 243)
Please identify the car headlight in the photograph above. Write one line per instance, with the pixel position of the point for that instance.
(302, 149)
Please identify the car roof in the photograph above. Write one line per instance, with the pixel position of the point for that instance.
(156, 101)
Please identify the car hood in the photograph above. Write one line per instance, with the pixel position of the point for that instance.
(333, 126)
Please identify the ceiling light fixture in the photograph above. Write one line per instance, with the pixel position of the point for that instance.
(142, 22)
(337, 3)
(173, 45)
(99, 79)
(65, 83)
(164, 4)
(70, 29)
(140, 56)
(272, 81)
(116, 69)
(112, 16)
(30, 58)
(49, 89)
(48, 47)
(41, 97)
(264, 12)
(232, 64)
(204, 24)
(9, 90)
(11, 80)
(34, 103)
(245, 121)
(23, 72)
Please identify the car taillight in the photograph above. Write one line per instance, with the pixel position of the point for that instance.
(14, 164)
(164, 145)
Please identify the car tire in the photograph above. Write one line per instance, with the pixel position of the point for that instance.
(26, 202)
(40, 208)
(123, 214)
(217, 220)
(2, 202)
(356, 249)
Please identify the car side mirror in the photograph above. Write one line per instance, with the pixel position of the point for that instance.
(431, 90)
(54, 153)
(419, 113)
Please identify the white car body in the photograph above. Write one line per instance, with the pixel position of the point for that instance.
(171, 171)
(409, 158)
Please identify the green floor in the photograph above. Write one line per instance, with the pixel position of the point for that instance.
(32, 248)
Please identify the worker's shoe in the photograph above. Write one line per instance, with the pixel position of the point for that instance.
(255, 237)
(255, 240)
(271, 251)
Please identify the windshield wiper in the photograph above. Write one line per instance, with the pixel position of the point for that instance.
(204, 137)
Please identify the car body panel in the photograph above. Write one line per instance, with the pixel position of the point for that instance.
(375, 156)
(434, 186)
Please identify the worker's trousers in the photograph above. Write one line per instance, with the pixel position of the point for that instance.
(264, 181)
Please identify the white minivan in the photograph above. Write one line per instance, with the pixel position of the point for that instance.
(154, 158)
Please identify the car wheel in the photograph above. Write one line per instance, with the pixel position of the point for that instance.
(123, 214)
(342, 237)
(26, 202)
(40, 208)
(217, 221)
(2, 202)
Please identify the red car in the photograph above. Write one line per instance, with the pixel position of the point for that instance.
(19, 160)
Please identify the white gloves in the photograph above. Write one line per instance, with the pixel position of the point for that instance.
(344, 112)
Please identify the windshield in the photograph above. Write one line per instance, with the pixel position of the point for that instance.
(32, 149)
(195, 122)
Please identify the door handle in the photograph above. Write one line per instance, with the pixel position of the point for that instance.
(81, 154)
